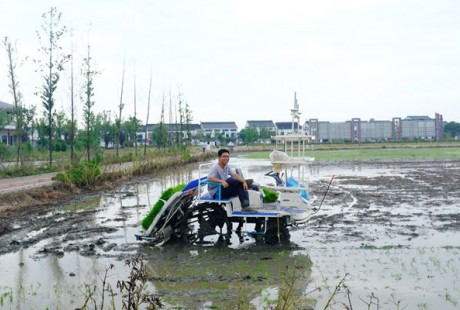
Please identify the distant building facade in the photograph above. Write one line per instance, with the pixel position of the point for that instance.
(398, 129)
(227, 129)
(144, 135)
(284, 128)
(263, 124)
(7, 133)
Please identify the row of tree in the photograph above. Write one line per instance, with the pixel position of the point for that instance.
(58, 131)
(452, 129)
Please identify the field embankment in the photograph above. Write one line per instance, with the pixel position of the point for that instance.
(39, 190)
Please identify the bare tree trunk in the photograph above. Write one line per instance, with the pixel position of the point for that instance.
(171, 120)
(18, 111)
(135, 114)
(120, 107)
(72, 103)
(148, 112)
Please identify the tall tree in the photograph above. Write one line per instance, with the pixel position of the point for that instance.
(162, 133)
(249, 135)
(135, 112)
(73, 123)
(89, 73)
(131, 127)
(60, 132)
(17, 97)
(120, 110)
(180, 130)
(171, 121)
(452, 128)
(51, 65)
(106, 128)
(148, 112)
(188, 122)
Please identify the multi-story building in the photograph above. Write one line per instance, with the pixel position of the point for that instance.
(227, 129)
(172, 129)
(398, 129)
(259, 125)
(284, 128)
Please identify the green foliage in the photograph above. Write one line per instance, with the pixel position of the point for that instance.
(86, 174)
(186, 155)
(98, 157)
(452, 128)
(265, 133)
(51, 65)
(5, 151)
(131, 127)
(127, 157)
(249, 135)
(270, 196)
(160, 135)
(3, 119)
(89, 137)
(159, 204)
(105, 128)
(60, 146)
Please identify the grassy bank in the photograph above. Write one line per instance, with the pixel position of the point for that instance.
(89, 178)
(93, 175)
(37, 163)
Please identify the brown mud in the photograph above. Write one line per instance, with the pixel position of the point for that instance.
(374, 199)
(374, 204)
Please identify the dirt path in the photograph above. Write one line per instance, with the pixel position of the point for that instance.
(17, 184)
(26, 183)
(35, 191)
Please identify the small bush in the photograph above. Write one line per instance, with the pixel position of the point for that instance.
(86, 174)
(60, 146)
(127, 157)
(186, 155)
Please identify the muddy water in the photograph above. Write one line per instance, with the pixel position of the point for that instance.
(391, 230)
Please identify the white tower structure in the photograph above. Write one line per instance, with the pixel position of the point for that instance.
(295, 113)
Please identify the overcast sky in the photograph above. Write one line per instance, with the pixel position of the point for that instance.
(240, 60)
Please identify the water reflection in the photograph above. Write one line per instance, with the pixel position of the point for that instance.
(220, 277)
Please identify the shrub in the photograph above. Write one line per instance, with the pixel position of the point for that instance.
(60, 146)
(86, 174)
(186, 156)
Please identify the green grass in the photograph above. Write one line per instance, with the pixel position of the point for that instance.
(379, 153)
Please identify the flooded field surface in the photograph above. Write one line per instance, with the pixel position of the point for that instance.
(387, 232)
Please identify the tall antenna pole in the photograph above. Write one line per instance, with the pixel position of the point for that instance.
(295, 112)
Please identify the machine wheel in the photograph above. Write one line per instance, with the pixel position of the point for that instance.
(204, 220)
(277, 232)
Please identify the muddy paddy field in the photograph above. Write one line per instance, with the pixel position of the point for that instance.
(389, 230)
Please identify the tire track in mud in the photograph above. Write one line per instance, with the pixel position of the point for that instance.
(409, 201)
